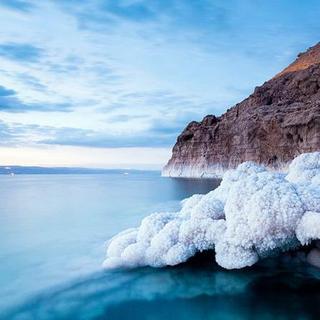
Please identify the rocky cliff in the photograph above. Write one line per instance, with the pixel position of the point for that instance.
(278, 121)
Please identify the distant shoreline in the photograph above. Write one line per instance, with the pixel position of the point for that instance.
(13, 170)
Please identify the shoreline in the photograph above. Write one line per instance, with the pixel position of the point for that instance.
(207, 172)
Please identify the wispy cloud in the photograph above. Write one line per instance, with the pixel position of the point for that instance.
(10, 102)
(83, 138)
(4, 92)
(19, 5)
(15, 134)
(19, 134)
(22, 52)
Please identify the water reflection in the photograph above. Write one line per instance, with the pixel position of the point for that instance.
(201, 291)
(48, 238)
(188, 186)
(53, 228)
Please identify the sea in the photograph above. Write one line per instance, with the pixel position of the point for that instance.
(53, 234)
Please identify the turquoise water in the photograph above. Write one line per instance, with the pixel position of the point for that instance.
(53, 230)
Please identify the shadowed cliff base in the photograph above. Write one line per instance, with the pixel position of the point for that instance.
(277, 122)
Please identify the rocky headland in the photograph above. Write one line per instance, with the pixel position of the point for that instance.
(277, 122)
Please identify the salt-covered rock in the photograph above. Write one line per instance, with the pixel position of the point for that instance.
(305, 168)
(308, 228)
(253, 214)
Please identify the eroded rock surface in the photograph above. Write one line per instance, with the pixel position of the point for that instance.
(278, 121)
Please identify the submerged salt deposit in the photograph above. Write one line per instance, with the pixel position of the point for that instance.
(253, 214)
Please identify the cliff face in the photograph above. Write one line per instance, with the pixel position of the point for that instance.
(278, 121)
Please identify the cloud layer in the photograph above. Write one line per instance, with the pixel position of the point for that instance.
(134, 73)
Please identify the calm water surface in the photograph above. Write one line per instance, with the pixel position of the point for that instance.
(53, 230)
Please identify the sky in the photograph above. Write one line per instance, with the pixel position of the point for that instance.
(111, 84)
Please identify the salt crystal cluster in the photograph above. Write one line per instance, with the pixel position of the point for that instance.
(253, 214)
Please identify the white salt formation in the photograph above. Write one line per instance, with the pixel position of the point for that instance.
(253, 214)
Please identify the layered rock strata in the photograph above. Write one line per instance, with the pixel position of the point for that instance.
(277, 122)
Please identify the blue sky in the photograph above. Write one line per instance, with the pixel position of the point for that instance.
(105, 83)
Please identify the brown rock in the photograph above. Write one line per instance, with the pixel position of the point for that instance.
(278, 121)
